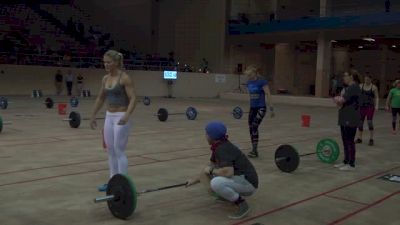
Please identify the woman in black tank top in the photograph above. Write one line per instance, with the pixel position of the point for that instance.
(369, 102)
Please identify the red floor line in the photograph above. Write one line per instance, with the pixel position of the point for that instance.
(364, 208)
(345, 199)
(132, 156)
(312, 197)
(92, 171)
(96, 136)
(144, 157)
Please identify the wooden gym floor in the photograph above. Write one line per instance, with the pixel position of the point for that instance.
(49, 172)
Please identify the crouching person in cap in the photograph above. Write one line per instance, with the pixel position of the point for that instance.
(230, 175)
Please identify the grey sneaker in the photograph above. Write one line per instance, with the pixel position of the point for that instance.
(243, 210)
(253, 154)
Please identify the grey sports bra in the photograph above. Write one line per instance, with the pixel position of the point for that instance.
(116, 96)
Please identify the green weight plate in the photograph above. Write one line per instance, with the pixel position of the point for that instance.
(328, 150)
(125, 197)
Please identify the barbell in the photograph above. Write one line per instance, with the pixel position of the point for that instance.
(238, 112)
(287, 158)
(162, 114)
(121, 195)
(75, 119)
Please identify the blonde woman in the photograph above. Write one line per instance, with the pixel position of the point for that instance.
(259, 91)
(118, 90)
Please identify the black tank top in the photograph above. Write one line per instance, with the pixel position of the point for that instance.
(367, 96)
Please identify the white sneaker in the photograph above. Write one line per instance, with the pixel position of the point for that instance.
(347, 168)
(339, 165)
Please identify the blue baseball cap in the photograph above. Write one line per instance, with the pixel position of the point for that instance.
(216, 130)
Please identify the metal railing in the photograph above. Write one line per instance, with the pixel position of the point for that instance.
(81, 62)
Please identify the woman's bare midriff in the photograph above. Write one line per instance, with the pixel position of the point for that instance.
(117, 109)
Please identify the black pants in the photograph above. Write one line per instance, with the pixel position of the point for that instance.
(395, 111)
(256, 115)
(349, 147)
(69, 88)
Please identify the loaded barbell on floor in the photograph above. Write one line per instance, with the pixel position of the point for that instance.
(3, 123)
(238, 112)
(162, 114)
(49, 102)
(121, 195)
(287, 159)
(75, 119)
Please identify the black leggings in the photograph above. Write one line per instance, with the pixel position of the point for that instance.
(349, 147)
(395, 111)
(256, 115)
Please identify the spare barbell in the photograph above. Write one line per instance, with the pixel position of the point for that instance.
(3, 123)
(162, 114)
(287, 159)
(121, 195)
(75, 119)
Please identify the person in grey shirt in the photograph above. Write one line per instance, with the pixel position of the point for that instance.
(230, 175)
(349, 118)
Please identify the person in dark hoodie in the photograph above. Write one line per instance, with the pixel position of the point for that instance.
(349, 118)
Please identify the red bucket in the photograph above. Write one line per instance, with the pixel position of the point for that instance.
(305, 120)
(62, 108)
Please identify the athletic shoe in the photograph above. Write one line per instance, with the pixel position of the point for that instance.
(347, 168)
(103, 187)
(371, 142)
(358, 141)
(243, 210)
(394, 132)
(339, 165)
(253, 154)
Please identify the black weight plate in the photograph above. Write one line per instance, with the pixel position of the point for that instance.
(146, 100)
(191, 113)
(75, 119)
(125, 198)
(286, 158)
(49, 103)
(162, 114)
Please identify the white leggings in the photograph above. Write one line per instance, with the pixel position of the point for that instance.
(231, 188)
(116, 139)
